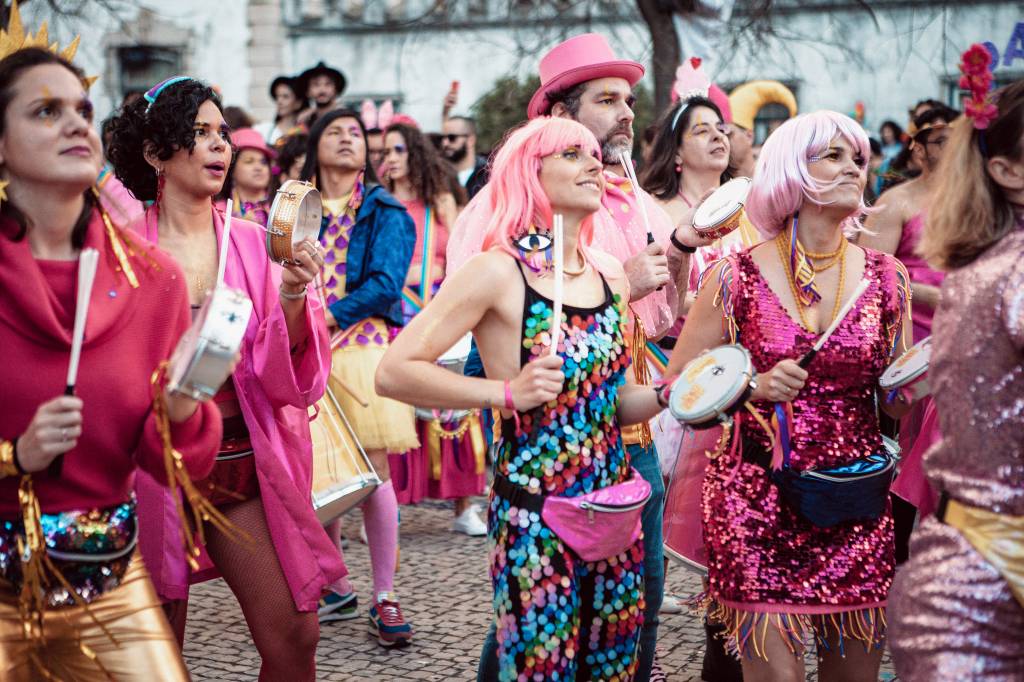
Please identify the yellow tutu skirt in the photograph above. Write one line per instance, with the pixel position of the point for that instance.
(383, 425)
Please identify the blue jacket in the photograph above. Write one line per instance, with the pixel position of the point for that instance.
(379, 253)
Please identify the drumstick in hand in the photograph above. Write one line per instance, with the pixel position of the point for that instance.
(87, 262)
(627, 167)
(557, 244)
(223, 260)
(843, 312)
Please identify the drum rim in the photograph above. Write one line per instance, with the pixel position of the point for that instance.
(886, 382)
(731, 215)
(739, 393)
(269, 228)
(448, 357)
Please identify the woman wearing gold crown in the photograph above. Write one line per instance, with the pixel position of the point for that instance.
(76, 601)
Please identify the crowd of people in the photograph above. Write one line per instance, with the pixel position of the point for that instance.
(586, 290)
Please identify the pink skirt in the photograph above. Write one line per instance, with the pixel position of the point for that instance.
(443, 467)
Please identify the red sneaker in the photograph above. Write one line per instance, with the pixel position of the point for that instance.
(387, 623)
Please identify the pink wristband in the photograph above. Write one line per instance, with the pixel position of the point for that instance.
(509, 403)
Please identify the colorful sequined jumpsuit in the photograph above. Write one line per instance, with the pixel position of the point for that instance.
(768, 567)
(558, 617)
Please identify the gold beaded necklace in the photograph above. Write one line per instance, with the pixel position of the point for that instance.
(839, 255)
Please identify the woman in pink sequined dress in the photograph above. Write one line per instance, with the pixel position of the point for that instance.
(776, 579)
(958, 604)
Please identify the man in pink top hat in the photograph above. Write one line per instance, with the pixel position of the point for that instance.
(582, 79)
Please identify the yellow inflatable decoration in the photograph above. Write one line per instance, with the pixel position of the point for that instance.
(748, 99)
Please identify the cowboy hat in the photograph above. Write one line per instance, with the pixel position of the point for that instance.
(322, 69)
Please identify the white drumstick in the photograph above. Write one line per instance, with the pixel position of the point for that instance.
(87, 262)
(556, 315)
(843, 312)
(627, 167)
(223, 262)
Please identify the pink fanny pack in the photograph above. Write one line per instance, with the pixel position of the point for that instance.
(596, 526)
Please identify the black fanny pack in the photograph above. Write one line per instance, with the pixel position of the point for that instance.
(854, 492)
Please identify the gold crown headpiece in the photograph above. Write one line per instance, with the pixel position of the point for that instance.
(15, 39)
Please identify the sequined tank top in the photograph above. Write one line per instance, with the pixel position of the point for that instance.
(571, 445)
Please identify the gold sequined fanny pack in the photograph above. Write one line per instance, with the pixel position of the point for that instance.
(998, 538)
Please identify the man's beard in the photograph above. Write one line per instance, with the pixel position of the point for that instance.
(611, 151)
(456, 155)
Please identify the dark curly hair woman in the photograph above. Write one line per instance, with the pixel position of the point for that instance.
(174, 147)
(415, 174)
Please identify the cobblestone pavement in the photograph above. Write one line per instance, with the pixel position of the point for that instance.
(444, 590)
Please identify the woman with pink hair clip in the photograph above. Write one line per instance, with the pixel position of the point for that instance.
(779, 572)
(564, 608)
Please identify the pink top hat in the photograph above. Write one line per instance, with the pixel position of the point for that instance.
(577, 60)
(248, 138)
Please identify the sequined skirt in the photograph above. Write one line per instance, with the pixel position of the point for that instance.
(952, 615)
(91, 548)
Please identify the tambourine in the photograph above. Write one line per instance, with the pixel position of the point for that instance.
(202, 360)
(295, 215)
(454, 360)
(719, 214)
(713, 386)
(910, 370)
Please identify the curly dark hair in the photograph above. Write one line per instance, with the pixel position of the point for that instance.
(428, 171)
(165, 128)
(11, 69)
(659, 177)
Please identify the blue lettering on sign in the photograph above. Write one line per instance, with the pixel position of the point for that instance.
(1015, 46)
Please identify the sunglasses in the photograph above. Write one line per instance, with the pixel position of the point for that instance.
(452, 137)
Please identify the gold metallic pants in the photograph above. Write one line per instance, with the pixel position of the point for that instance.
(145, 648)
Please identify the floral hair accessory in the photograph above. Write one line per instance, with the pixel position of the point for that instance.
(977, 79)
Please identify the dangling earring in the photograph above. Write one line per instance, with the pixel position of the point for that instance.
(679, 168)
(160, 180)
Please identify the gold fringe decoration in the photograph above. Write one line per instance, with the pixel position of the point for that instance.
(35, 565)
(116, 244)
(436, 432)
(642, 374)
(178, 477)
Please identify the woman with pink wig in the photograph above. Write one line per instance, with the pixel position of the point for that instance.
(558, 617)
(775, 576)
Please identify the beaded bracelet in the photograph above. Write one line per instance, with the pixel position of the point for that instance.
(292, 297)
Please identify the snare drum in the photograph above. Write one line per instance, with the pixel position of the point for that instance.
(681, 523)
(719, 214)
(713, 386)
(295, 215)
(910, 370)
(204, 355)
(453, 359)
(342, 474)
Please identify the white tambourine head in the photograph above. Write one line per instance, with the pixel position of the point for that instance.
(723, 203)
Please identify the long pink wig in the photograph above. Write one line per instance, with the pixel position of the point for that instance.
(782, 182)
(517, 199)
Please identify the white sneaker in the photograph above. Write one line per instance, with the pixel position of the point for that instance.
(469, 523)
(671, 605)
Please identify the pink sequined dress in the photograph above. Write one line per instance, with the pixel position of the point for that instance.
(953, 615)
(768, 567)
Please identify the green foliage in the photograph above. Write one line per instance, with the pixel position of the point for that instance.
(504, 107)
